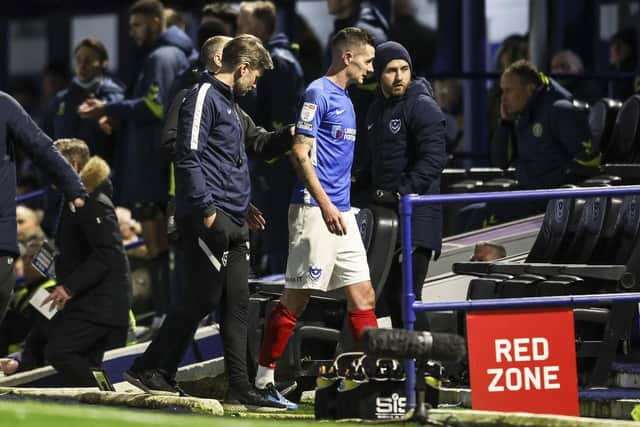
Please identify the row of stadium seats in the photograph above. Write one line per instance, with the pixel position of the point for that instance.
(615, 128)
(585, 246)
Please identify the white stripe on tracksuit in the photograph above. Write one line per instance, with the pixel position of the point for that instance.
(197, 115)
(209, 254)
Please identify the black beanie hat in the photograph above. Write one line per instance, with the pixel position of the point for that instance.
(387, 52)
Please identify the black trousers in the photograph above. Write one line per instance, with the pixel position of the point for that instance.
(7, 282)
(390, 301)
(216, 273)
(71, 345)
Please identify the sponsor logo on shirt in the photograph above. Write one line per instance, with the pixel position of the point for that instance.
(350, 134)
(308, 111)
(336, 132)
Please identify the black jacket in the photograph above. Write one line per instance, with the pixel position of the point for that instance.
(17, 128)
(546, 138)
(92, 263)
(406, 141)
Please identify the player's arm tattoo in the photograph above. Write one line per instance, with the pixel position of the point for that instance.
(301, 149)
(300, 156)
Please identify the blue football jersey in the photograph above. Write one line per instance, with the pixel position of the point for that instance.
(327, 115)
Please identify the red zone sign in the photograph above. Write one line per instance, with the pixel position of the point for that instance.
(523, 361)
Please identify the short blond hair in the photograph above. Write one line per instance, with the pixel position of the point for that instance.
(246, 49)
(73, 149)
(210, 48)
(526, 71)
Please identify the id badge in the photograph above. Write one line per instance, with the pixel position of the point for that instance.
(43, 260)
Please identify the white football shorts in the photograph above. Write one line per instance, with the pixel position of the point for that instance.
(321, 260)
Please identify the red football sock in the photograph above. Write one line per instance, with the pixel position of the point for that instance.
(359, 320)
(277, 331)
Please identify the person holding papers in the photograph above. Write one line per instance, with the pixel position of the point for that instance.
(93, 292)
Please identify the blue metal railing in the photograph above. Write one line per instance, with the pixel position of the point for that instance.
(28, 196)
(409, 304)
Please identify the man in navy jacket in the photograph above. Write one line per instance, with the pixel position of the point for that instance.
(212, 200)
(62, 120)
(17, 128)
(406, 139)
(543, 133)
(541, 129)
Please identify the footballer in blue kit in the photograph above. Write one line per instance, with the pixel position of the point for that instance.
(327, 115)
(325, 248)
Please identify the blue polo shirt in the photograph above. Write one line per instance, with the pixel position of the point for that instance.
(327, 115)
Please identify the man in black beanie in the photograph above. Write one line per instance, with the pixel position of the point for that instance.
(406, 141)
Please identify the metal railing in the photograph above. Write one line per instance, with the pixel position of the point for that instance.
(28, 196)
(409, 304)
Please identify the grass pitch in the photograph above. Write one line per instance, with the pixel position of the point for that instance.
(24, 413)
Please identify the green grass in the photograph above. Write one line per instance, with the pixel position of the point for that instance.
(23, 413)
(26, 413)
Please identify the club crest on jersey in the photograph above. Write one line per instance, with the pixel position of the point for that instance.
(315, 273)
(395, 125)
(336, 132)
(308, 111)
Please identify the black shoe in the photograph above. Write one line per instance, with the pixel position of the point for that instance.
(173, 383)
(249, 400)
(151, 381)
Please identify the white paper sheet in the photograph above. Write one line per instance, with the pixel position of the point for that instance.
(36, 301)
